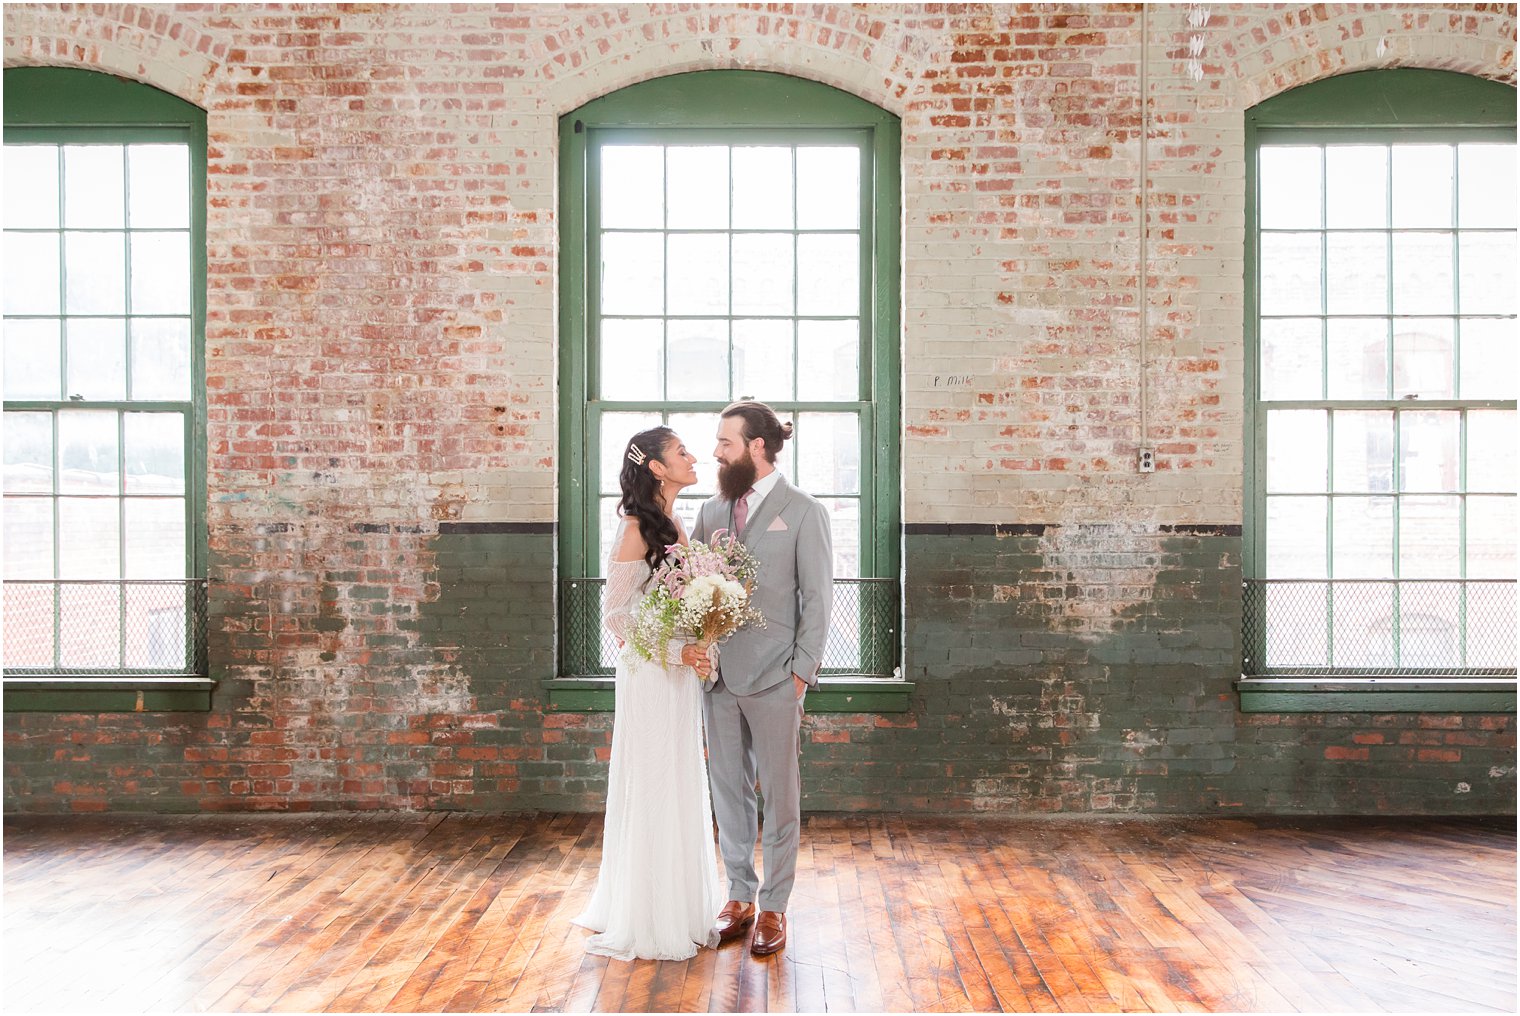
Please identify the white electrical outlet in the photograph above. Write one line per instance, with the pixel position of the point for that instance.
(1147, 460)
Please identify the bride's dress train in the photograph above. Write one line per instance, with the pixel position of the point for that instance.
(658, 889)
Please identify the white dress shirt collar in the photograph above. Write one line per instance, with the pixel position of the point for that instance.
(761, 488)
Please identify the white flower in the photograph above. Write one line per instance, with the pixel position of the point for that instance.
(706, 593)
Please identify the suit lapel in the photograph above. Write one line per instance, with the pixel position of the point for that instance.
(779, 497)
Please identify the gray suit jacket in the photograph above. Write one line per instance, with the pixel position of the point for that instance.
(789, 536)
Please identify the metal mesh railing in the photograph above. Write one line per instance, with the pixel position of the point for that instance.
(1378, 627)
(105, 626)
(862, 635)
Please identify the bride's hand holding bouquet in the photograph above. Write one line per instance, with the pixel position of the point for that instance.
(700, 593)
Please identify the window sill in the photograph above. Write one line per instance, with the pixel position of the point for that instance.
(107, 694)
(1376, 694)
(835, 694)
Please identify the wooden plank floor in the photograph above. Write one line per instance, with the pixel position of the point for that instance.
(433, 912)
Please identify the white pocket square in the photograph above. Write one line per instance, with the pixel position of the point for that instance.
(776, 526)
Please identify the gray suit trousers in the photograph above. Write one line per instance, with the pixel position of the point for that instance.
(750, 736)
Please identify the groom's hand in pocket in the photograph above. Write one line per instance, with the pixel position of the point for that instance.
(801, 686)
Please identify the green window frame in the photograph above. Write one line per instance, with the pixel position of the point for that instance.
(120, 640)
(1376, 641)
(738, 109)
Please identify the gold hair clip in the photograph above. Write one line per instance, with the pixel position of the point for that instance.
(636, 455)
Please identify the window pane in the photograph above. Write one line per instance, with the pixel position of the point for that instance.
(96, 264)
(1429, 544)
(89, 533)
(763, 360)
(88, 452)
(828, 360)
(31, 273)
(31, 187)
(1491, 621)
(1422, 359)
(696, 366)
(1491, 527)
(1296, 451)
(1358, 354)
(1489, 366)
(160, 273)
(1291, 359)
(1296, 537)
(1429, 625)
(158, 186)
(633, 186)
(1296, 632)
(763, 273)
(633, 355)
(1363, 621)
(1486, 186)
(607, 523)
(1290, 187)
(156, 629)
(699, 431)
(1356, 185)
(28, 538)
(161, 359)
(696, 190)
(155, 538)
(698, 274)
(1422, 273)
(97, 350)
(1491, 452)
(1428, 451)
(828, 274)
(90, 626)
(1290, 273)
(31, 359)
(1422, 178)
(762, 188)
(29, 613)
(1356, 273)
(1363, 537)
(1488, 273)
(828, 188)
(633, 273)
(617, 430)
(828, 452)
(787, 460)
(94, 190)
(1363, 452)
(687, 509)
(844, 533)
(28, 453)
(155, 453)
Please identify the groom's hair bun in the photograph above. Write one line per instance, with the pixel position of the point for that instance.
(760, 421)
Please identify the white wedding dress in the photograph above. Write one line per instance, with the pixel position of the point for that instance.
(658, 891)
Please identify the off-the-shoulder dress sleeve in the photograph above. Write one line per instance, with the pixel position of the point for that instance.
(626, 586)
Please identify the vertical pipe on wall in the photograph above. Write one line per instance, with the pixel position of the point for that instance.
(1143, 274)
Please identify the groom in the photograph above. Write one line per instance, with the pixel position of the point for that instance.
(753, 707)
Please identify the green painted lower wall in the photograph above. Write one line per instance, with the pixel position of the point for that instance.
(1071, 669)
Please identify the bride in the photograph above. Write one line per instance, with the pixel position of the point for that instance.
(658, 885)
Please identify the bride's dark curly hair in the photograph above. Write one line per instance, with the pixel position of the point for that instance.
(641, 493)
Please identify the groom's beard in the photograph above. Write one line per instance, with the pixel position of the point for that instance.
(736, 478)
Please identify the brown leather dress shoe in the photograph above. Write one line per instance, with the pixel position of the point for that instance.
(770, 933)
(733, 919)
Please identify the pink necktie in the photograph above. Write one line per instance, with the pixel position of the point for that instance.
(741, 512)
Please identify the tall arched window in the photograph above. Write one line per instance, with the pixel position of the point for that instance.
(1382, 380)
(105, 411)
(733, 234)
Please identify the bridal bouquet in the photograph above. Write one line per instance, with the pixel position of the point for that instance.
(700, 592)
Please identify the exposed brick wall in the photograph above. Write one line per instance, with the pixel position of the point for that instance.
(381, 350)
